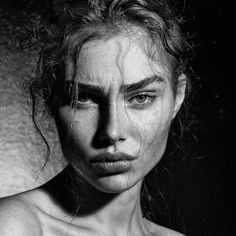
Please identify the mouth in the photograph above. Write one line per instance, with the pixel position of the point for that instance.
(112, 163)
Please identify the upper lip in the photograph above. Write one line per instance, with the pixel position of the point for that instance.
(112, 157)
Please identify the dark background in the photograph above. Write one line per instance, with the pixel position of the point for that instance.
(203, 188)
(215, 65)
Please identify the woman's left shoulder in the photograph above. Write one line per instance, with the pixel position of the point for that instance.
(169, 232)
(162, 231)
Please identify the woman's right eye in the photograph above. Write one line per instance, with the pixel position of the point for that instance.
(84, 100)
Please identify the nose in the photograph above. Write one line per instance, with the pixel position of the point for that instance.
(113, 129)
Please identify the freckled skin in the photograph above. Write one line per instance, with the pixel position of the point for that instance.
(138, 131)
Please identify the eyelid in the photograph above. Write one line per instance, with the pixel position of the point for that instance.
(94, 99)
(78, 104)
(151, 92)
(149, 100)
(147, 94)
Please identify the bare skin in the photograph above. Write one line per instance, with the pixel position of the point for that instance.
(36, 213)
(133, 121)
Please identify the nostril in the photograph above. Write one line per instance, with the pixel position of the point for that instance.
(102, 140)
(111, 134)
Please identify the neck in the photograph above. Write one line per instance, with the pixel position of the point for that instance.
(119, 212)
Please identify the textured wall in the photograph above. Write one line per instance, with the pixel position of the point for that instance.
(21, 149)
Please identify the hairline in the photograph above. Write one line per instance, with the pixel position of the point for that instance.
(149, 47)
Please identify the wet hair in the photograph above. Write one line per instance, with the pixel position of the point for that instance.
(69, 24)
(60, 34)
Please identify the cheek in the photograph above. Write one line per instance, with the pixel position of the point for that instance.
(158, 129)
(154, 143)
(155, 125)
(154, 140)
(79, 128)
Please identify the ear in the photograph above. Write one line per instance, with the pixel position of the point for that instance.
(180, 93)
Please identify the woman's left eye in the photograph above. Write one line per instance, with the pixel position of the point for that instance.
(141, 100)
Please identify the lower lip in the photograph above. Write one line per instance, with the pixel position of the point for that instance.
(112, 167)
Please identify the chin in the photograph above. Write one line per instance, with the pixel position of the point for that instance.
(115, 183)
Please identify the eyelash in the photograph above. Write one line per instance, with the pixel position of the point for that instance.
(92, 100)
(148, 100)
(84, 104)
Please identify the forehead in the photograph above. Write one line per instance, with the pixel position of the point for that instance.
(122, 58)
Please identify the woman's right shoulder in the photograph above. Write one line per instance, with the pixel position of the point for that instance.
(18, 218)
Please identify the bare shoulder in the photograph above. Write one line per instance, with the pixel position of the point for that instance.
(17, 217)
(163, 231)
(169, 232)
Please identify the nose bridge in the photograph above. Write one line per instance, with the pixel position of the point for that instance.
(115, 121)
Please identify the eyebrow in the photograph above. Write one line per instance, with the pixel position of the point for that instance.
(125, 88)
(91, 88)
(141, 84)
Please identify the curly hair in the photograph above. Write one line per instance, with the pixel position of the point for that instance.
(69, 24)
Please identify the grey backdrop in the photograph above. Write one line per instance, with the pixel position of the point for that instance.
(22, 153)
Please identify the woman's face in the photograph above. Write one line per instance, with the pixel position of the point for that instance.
(118, 131)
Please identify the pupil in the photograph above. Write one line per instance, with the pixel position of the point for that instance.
(83, 97)
(141, 98)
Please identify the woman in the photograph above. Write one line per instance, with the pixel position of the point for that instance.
(113, 75)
